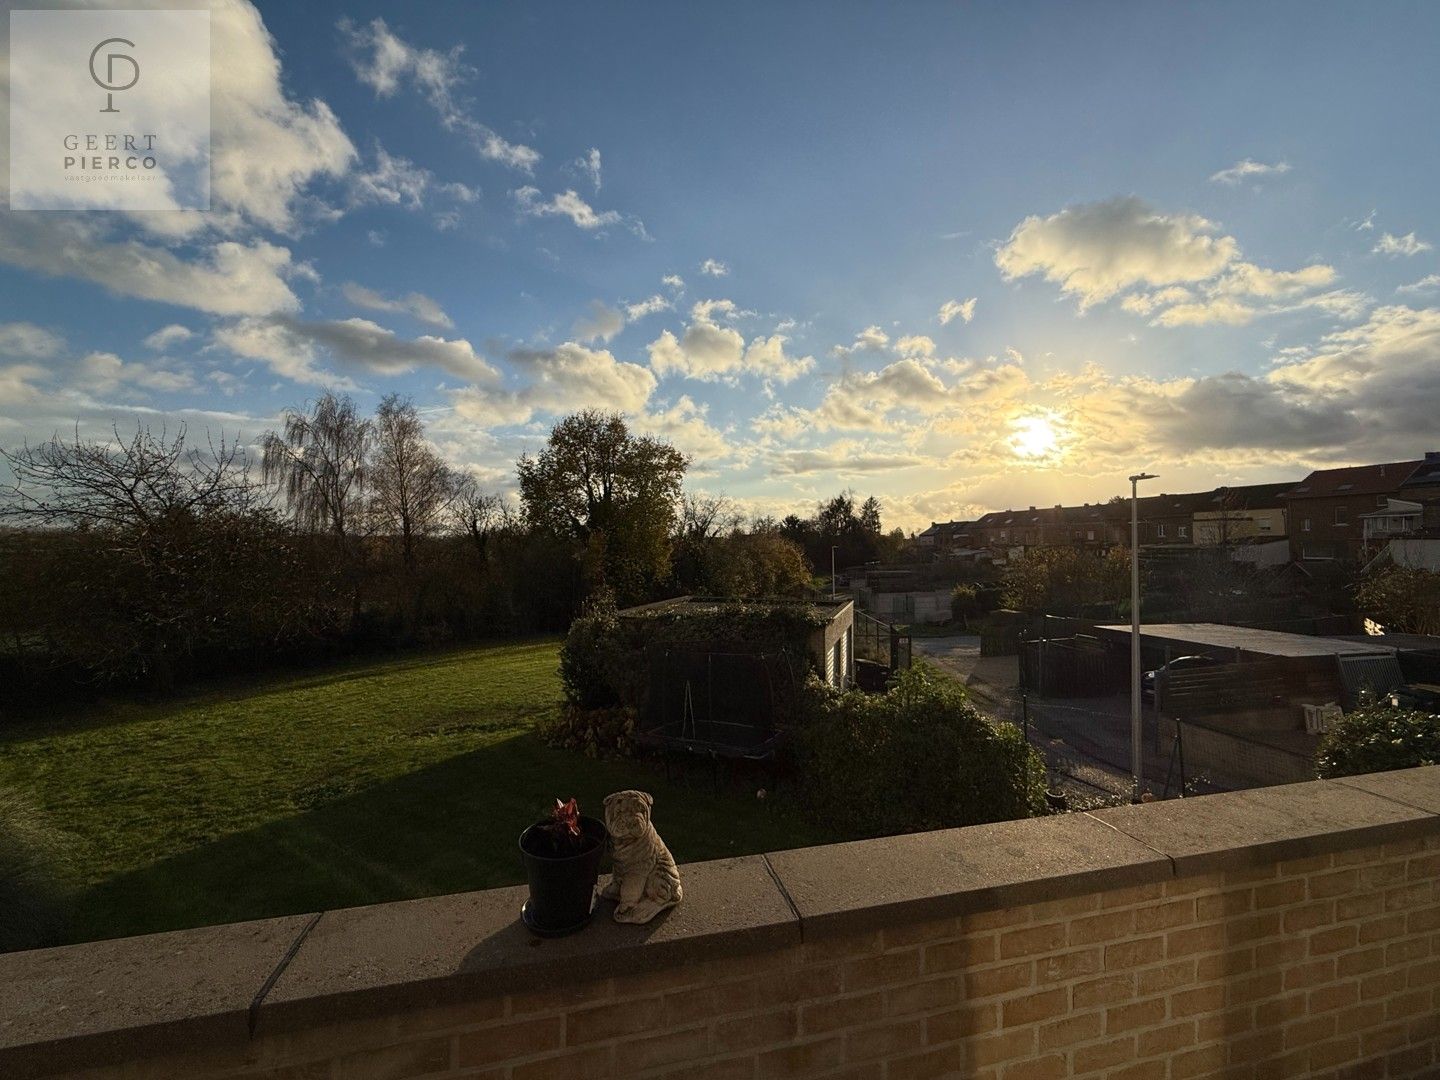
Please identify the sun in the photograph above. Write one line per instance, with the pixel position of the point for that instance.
(1035, 437)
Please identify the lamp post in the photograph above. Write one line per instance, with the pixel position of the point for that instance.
(1137, 763)
(832, 571)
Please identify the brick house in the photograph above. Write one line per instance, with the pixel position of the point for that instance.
(1327, 508)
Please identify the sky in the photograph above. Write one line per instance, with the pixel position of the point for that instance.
(962, 257)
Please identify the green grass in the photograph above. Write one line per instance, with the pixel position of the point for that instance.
(369, 782)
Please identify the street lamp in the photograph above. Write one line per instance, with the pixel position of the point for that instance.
(1137, 764)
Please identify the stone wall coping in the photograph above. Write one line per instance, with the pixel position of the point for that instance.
(103, 1002)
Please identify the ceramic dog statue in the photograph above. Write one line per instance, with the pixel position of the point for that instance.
(646, 881)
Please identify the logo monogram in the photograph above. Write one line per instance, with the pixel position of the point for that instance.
(109, 82)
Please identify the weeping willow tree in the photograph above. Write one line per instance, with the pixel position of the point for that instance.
(319, 464)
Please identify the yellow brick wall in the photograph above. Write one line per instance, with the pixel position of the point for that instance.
(1326, 966)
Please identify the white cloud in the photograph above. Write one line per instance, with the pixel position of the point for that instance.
(166, 336)
(385, 63)
(915, 345)
(567, 204)
(602, 324)
(416, 305)
(392, 181)
(266, 148)
(104, 372)
(290, 346)
(714, 268)
(686, 426)
(1425, 284)
(588, 165)
(1094, 250)
(673, 281)
(1408, 244)
(709, 352)
(26, 341)
(228, 278)
(17, 384)
(1249, 169)
(641, 308)
(561, 379)
(964, 310)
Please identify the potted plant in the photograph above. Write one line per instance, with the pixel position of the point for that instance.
(562, 861)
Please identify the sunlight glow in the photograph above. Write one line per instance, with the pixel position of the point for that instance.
(1035, 437)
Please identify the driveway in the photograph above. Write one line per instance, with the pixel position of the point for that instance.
(1085, 741)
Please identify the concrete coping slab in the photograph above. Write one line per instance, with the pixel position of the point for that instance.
(1418, 787)
(871, 883)
(1242, 828)
(106, 1001)
(448, 949)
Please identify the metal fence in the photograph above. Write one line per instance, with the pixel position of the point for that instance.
(882, 642)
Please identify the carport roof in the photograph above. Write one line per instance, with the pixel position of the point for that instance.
(1246, 639)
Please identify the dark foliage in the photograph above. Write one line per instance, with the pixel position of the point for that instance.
(1377, 738)
(919, 756)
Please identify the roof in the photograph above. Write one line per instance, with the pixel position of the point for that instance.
(1357, 480)
(1250, 496)
(1249, 640)
(1427, 473)
(822, 608)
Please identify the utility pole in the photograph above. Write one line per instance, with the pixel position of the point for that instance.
(1137, 756)
(832, 571)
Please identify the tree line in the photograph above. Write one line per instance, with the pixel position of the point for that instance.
(155, 557)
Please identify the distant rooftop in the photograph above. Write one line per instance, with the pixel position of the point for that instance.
(1246, 639)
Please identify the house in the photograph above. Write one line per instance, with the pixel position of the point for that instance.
(1249, 513)
(1327, 508)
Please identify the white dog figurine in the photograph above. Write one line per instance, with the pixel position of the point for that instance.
(646, 881)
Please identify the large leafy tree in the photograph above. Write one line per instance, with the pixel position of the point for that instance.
(1403, 599)
(615, 494)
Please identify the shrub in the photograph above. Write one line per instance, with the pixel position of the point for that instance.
(33, 898)
(919, 756)
(964, 603)
(589, 657)
(1377, 738)
(594, 732)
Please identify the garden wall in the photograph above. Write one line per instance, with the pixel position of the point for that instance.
(1290, 931)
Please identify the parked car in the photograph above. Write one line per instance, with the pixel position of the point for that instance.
(1149, 680)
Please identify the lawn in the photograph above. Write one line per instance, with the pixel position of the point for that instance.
(368, 782)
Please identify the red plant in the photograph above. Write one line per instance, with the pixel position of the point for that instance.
(563, 827)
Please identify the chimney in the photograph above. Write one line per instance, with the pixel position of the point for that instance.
(1032, 508)
(1432, 457)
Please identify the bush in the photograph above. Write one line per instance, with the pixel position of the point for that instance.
(964, 603)
(920, 756)
(594, 732)
(33, 898)
(1377, 738)
(589, 657)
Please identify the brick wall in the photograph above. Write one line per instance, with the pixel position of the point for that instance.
(1321, 965)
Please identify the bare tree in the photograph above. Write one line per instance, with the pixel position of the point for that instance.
(475, 514)
(320, 464)
(138, 484)
(410, 485)
(704, 517)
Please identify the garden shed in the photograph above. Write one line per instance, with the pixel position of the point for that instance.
(724, 676)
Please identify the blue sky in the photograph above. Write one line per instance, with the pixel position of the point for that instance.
(1197, 240)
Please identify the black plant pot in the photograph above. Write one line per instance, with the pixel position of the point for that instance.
(562, 888)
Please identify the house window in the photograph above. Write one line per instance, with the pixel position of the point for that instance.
(1264, 525)
(1159, 530)
(1342, 515)
(1090, 535)
(1184, 531)
(1305, 525)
